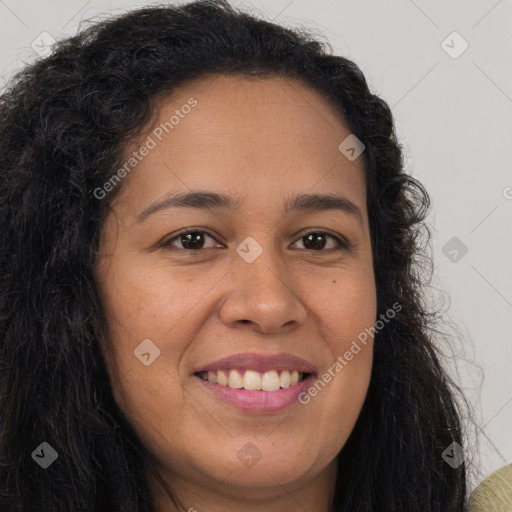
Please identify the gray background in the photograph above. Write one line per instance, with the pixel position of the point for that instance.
(454, 117)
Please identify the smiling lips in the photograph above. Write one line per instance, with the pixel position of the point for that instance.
(257, 383)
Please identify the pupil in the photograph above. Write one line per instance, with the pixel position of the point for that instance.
(191, 238)
(319, 236)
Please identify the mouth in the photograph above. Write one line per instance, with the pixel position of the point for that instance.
(257, 383)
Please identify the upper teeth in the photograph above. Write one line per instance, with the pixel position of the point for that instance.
(271, 380)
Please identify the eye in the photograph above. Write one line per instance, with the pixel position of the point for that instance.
(317, 240)
(192, 240)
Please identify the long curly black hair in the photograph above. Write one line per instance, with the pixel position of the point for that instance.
(64, 121)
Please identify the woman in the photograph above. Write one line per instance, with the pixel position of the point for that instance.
(211, 291)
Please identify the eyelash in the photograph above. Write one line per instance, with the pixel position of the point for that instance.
(341, 243)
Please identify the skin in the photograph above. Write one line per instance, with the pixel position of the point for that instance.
(261, 141)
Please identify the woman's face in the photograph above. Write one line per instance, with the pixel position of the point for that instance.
(263, 284)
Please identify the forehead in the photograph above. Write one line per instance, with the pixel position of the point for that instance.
(249, 136)
(259, 112)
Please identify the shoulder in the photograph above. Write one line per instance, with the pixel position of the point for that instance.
(494, 493)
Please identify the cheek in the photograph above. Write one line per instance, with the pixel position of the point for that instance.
(142, 311)
(150, 311)
(346, 305)
(149, 302)
(146, 316)
(347, 316)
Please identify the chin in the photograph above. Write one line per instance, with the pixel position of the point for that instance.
(265, 468)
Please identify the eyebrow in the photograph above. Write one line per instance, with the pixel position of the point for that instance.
(207, 200)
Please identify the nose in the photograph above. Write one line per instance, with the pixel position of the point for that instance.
(263, 295)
